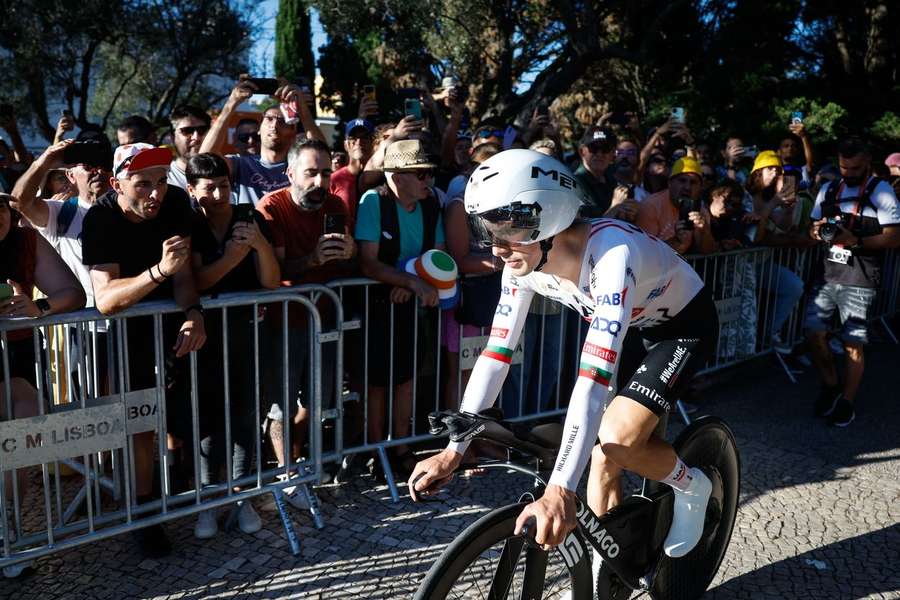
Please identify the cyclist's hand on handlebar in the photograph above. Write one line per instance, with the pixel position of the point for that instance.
(434, 472)
(554, 516)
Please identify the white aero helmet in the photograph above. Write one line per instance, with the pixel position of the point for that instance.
(521, 196)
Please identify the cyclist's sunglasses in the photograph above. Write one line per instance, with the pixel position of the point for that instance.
(189, 131)
(507, 226)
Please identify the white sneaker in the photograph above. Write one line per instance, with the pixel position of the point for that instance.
(248, 519)
(295, 495)
(688, 515)
(206, 526)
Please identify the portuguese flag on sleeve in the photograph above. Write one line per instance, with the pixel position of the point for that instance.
(498, 353)
(594, 373)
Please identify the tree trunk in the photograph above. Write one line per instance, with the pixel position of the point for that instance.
(878, 54)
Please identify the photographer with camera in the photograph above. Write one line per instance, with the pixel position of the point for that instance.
(676, 215)
(858, 218)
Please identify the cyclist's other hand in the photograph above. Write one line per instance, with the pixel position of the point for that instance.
(554, 516)
(433, 473)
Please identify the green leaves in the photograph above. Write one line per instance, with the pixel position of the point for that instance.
(105, 59)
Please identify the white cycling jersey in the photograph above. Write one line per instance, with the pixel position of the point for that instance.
(628, 279)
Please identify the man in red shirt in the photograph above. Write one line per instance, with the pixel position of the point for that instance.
(344, 181)
(297, 216)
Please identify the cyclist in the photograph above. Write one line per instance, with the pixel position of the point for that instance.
(524, 205)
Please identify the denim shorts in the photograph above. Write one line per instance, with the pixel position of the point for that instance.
(853, 305)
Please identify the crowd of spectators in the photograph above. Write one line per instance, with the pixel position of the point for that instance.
(90, 225)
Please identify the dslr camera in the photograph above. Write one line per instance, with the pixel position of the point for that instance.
(829, 229)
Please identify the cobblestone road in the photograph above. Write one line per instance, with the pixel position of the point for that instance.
(818, 518)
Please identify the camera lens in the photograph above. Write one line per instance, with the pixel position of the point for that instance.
(827, 232)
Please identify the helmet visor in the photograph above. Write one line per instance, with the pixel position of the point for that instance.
(509, 225)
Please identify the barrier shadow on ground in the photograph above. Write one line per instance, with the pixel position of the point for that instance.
(857, 567)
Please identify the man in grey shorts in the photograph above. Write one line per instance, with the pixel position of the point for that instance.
(858, 217)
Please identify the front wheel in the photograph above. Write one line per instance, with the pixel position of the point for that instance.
(488, 561)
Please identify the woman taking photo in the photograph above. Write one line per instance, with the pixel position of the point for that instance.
(231, 252)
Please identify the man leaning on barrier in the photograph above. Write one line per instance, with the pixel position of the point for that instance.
(396, 222)
(136, 241)
(858, 217)
(307, 253)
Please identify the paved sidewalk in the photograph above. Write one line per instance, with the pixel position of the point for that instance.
(819, 517)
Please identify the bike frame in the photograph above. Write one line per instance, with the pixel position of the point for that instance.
(629, 537)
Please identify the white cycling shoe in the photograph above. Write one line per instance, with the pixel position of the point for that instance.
(688, 515)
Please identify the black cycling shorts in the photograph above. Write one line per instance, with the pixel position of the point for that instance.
(675, 351)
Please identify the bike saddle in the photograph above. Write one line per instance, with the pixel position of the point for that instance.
(488, 425)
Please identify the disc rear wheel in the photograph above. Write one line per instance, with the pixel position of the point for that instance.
(709, 444)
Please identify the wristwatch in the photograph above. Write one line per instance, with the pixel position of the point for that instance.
(196, 307)
(43, 305)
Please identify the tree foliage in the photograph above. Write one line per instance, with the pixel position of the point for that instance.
(735, 66)
(105, 59)
(293, 41)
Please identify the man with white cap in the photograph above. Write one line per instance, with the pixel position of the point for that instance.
(136, 244)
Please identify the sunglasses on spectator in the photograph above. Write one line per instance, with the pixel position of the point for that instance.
(604, 147)
(421, 174)
(627, 152)
(245, 138)
(189, 131)
(486, 133)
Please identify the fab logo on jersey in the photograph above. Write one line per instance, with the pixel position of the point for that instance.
(614, 299)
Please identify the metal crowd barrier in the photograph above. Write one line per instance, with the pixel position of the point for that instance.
(94, 426)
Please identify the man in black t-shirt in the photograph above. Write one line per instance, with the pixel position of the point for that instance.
(136, 243)
(858, 217)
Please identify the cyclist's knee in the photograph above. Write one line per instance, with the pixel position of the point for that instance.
(600, 461)
(617, 443)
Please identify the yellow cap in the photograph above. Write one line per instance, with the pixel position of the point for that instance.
(766, 158)
(686, 165)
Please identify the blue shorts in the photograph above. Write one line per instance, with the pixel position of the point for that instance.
(853, 304)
